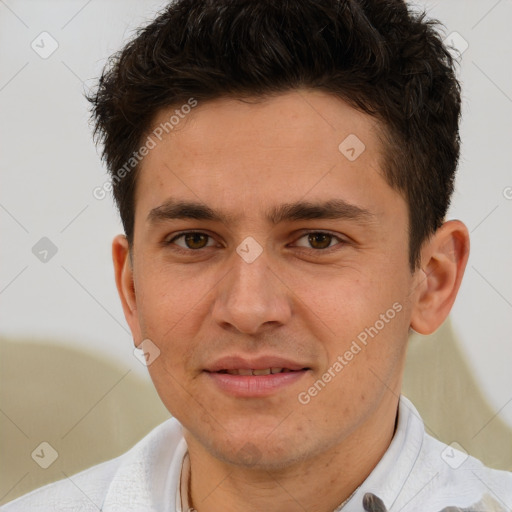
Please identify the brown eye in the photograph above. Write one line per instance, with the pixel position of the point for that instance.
(192, 240)
(196, 240)
(320, 240)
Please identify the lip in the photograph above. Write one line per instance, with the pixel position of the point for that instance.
(258, 363)
(254, 386)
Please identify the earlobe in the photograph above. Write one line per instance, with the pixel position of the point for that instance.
(444, 259)
(123, 270)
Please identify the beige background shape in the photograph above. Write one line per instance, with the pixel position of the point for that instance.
(90, 410)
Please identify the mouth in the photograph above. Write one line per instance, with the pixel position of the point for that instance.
(256, 372)
(262, 365)
(257, 378)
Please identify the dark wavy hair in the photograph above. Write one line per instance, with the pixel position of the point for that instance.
(377, 55)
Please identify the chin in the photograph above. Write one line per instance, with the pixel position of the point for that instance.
(261, 456)
(264, 448)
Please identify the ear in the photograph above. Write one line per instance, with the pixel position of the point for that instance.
(443, 261)
(123, 270)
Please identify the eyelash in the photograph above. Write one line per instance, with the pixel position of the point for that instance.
(188, 251)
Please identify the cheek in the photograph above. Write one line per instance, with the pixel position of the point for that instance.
(361, 371)
(166, 310)
(171, 387)
(344, 304)
(165, 296)
(368, 322)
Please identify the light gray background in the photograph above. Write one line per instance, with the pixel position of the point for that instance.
(49, 168)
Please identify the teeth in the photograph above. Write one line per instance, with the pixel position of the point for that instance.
(266, 371)
(261, 372)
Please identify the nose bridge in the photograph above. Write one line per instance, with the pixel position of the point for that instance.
(250, 278)
(251, 295)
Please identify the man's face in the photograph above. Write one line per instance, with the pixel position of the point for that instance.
(300, 291)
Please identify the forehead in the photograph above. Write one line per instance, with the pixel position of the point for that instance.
(280, 122)
(239, 154)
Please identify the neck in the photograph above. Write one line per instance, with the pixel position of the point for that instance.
(319, 484)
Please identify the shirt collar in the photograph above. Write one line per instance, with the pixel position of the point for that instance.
(392, 471)
(146, 479)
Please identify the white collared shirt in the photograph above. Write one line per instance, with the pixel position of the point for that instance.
(416, 474)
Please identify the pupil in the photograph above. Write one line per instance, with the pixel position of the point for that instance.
(323, 239)
(193, 238)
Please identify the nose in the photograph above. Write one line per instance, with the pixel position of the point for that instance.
(251, 297)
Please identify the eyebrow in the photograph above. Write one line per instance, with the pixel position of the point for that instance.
(300, 210)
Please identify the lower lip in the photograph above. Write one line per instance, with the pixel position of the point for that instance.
(253, 386)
